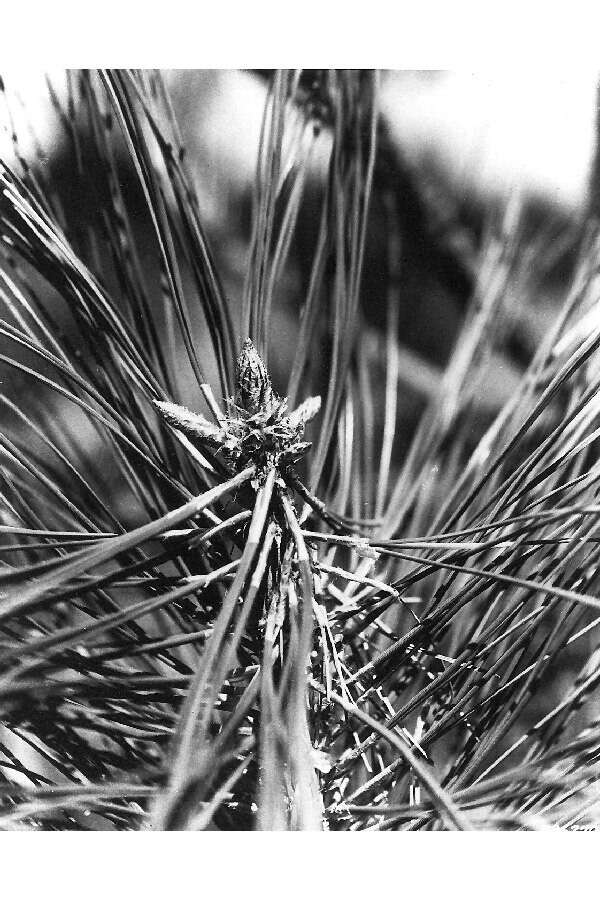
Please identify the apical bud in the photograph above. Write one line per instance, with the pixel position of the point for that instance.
(254, 391)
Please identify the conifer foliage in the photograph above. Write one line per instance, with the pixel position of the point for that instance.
(225, 608)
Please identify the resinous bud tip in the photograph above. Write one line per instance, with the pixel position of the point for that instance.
(254, 391)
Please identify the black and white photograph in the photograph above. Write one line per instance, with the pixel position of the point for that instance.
(299, 451)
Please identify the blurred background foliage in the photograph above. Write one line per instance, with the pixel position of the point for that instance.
(471, 168)
(467, 158)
